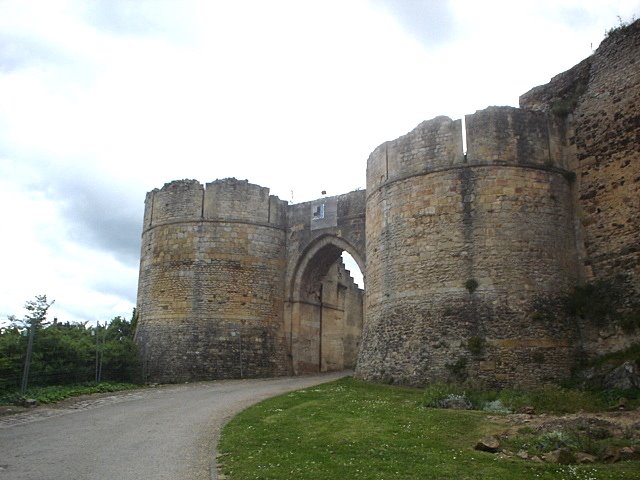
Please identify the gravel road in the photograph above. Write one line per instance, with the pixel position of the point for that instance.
(168, 432)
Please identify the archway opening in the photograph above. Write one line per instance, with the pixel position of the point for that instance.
(327, 312)
(354, 270)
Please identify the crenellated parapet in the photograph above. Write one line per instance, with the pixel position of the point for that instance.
(222, 200)
(177, 200)
(494, 136)
(239, 200)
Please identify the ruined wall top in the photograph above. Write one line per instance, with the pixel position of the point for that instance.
(228, 199)
(432, 145)
(508, 135)
(496, 135)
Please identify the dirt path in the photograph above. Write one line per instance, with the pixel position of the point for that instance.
(168, 432)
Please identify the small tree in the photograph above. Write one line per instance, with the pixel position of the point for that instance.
(120, 352)
(36, 318)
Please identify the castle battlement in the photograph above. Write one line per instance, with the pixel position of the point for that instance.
(227, 199)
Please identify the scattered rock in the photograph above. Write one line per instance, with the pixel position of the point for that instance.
(528, 410)
(563, 456)
(629, 453)
(623, 377)
(610, 455)
(488, 444)
(622, 425)
(29, 403)
(582, 457)
(456, 402)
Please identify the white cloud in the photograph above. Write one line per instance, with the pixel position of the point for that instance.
(105, 100)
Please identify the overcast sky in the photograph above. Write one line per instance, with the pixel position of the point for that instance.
(102, 101)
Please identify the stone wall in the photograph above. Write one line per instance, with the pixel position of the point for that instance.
(599, 101)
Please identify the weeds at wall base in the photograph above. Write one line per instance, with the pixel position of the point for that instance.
(546, 399)
(57, 393)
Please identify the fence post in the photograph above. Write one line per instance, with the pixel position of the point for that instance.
(97, 330)
(27, 361)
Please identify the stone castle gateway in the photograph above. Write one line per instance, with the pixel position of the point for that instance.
(464, 254)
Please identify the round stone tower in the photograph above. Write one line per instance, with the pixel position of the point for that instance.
(466, 253)
(211, 286)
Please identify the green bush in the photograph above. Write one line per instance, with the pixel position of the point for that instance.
(629, 322)
(437, 391)
(595, 302)
(476, 345)
(67, 353)
(471, 285)
(458, 369)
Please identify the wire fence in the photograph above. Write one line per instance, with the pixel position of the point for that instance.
(65, 354)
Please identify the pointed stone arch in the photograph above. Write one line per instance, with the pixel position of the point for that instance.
(326, 307)
(324, 248)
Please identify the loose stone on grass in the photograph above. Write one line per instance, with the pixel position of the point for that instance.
(563, 456)
(488, 444)
(582, 457)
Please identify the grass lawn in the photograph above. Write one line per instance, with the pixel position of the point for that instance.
(351, 429)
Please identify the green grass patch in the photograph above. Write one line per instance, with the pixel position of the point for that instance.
(350, 429)
(56, 393)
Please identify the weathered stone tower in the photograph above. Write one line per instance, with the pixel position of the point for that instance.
(211, 282)
(459, 248)
(466, 256)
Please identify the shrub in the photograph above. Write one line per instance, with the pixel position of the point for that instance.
(458, 369)
(595, 302)
(476, 345)
(629, 322)
(458, 402)
(621, 27)
(436, 391)
(496, 406)
(471, 285)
